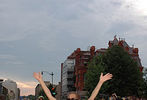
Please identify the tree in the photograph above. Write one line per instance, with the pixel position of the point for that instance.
(127, 78)
(31, 97)
(95, 67)
(145, 89)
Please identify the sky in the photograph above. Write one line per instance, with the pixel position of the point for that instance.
(38, 35)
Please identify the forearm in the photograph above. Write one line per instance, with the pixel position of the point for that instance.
(95, 91)
(46, 90)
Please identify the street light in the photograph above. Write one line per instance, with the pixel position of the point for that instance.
(49, 74)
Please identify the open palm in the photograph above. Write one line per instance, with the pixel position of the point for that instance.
(106, 77)
(37, 76)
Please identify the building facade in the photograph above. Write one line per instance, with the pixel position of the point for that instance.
(3, 91)
(58, 90)
(73, 71)
(78, 60)
(12, 90)
(133, 52)
(38, 88)
(67, 75)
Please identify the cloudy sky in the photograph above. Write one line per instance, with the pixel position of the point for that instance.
(38, 35)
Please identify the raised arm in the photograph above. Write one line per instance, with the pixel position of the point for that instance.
(103, 79)
(38, 76)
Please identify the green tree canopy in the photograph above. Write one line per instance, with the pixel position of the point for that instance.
(145, 89)
(95, 67)
(31, 97)
(127, 78)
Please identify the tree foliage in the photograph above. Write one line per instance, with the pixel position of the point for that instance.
(95, 67)
(31, 97)
(145, 89)
(127, 78)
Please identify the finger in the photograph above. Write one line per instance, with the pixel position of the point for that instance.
(106, 75)
(34, 73)
(101, 74)
(109, 74)
(39, 73)
(110, 77)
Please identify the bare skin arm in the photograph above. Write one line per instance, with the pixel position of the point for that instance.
(38, 76)
(103, 79)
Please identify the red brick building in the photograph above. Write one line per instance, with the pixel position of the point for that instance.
(133, 52)
(81, 59)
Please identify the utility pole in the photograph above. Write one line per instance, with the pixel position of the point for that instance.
(52, 74)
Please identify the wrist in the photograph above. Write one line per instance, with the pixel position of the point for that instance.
(40, 80)
(101, 82)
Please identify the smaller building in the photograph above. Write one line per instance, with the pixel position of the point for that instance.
(58, 90)
(18, 93)
(39, 88)
(2, 91)
(11, 86)
(9, 90)
(5, 92)
(67, 75)
(1, 80)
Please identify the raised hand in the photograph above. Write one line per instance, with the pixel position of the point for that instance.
(37, 76)
(106, 77)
